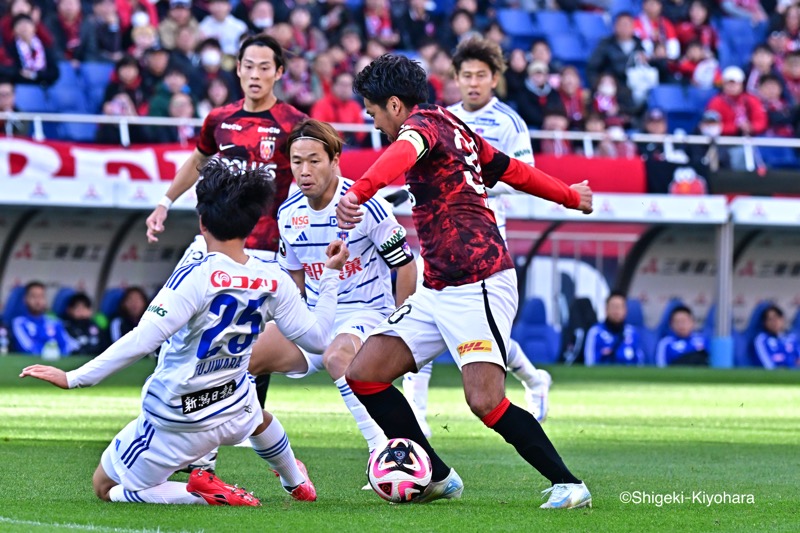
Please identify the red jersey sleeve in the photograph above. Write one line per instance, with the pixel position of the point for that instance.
(414, 141)
(206, 144)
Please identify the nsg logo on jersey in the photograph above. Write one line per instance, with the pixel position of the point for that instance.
(222, 279)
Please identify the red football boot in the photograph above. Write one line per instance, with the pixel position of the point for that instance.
(304, 492)
(216, 492)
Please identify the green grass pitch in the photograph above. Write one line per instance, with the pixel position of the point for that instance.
(653, 433)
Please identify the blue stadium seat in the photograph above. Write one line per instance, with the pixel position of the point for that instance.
(96, 77)
(63, 295)
(748, 357)
(779, 157)
(553, 23)
(700, 97)
(671, 99)
(15, 304)
(538, 339)
(647, 336)
(592, 26)
(519, 26)
(569, 48)
(32, 98)
(663, 325)
(110, 301)
(631, 6)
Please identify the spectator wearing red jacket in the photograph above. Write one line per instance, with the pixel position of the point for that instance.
(654, 29)
(24, 7)
(341, 107)
(698, 28)
(741, 112)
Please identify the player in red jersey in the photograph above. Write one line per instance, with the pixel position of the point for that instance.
(469, 296)
(250, 133)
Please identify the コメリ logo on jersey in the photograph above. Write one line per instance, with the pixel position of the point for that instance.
(220, 278)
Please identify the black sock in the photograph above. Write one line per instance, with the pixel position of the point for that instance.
(521, 430)
(391, 411)
(262, 384)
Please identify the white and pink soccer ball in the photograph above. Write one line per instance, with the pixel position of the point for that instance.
(399, 471)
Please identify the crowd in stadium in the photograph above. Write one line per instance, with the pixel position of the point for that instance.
(74, 326)
(613, 66)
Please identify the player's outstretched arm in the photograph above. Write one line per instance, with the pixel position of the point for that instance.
(50, 374)
(308, 330)
(186, 177)
(533, 181)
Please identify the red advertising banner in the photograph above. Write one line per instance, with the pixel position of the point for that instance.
(25, 163)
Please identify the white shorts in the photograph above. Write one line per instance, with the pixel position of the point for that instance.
(358, 323)
(472, 322)
(198, 250)
(143, 456)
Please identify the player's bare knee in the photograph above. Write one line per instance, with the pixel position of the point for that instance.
(483, 402)
(102, 484)
(336, 362)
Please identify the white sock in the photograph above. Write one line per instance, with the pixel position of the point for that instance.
(520, 366)
(273, 446)
(168, 492)
(366, 425)
(415, 388)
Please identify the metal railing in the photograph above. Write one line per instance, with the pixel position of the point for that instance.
(585, 138)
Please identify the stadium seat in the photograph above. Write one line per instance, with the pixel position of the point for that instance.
(671, 99)
(631, 6)
(748, 357)
(592, 26)
(96, 77)
(63, 295)
(552, 23)
(779, 156)
(569, 48)
(700, 97)
(110, 301)
(647, 336)
(663, 325)
(32, 98)
(538, 339)
(519, 26)
(15, 304)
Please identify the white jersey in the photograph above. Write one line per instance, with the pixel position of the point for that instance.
(506, 131)
(211, 313)
(376, 245)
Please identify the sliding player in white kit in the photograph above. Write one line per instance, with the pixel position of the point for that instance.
(201, 395)
(478, 65)
(307, 222)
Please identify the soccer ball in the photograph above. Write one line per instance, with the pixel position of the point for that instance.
(399, 471)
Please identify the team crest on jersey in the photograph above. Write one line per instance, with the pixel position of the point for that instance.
(221, 278)
(267, 148)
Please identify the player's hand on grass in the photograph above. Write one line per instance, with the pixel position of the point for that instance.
(348, 213)
(155, 223)
(585, 193)
(337, 253)
(53, 375)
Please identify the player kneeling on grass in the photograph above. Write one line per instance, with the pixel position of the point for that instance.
(307, 221)
(201, 395)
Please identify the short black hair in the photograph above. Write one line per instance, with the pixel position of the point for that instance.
(767, 78)
(616, 294)
(392, 75)
(479, 49)
(230, 200)
(262, 39)
(79, 298)
(680, 308)
(773, 308)
(33, 285)
(20, 17)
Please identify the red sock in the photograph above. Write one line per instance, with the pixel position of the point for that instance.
(367, 387)
(497, 413)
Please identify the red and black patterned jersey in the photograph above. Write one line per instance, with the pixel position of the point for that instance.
(458, 235)
(251, 140)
